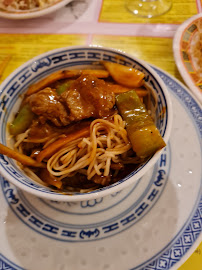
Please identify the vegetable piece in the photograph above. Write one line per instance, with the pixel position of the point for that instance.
(63, 86)
(127, 76)
(142, 132)
(25, 160)
(64, 74)
(55, 146)
(118, 89)
(22, 120)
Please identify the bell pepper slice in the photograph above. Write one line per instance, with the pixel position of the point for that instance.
(22, 121)
(142, 132)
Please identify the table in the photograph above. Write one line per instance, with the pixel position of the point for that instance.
(99, 22)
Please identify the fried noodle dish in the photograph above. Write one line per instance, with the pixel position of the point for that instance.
(196, 49)
(80, 130)
(23, 5)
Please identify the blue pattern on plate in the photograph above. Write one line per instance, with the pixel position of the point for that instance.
(181, 246)
(6, 264)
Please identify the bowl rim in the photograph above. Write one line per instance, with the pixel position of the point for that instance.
(19, 15)
(121, 184)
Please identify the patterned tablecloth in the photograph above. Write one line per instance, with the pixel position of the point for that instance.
(99, 22)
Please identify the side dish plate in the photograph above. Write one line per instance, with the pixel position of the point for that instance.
(188, 57)
(28, 14)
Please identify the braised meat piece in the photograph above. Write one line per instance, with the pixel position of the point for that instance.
(89, 97)
(46, 104)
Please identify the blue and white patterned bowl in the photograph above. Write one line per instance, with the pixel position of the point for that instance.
(80, 57)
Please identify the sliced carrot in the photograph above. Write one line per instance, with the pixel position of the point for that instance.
(118, 89)
(141, 93)
(64, 74)
(124, 75)
(25, 160)
(55, 146)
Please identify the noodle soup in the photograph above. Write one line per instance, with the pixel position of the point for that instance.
(83, 131)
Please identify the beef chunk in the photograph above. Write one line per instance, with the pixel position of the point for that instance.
(89, 97)
(46, 104)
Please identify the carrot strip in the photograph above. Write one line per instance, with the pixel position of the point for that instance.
(64, 74)
(55, 146)
(141, 93)
(25, 160)
(118, 89)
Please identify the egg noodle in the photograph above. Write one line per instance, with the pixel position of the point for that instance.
(108, 143)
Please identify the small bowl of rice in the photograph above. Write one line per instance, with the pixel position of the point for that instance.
(76, 126)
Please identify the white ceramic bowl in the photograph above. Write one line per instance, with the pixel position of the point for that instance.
(67, 58)
(33, 13)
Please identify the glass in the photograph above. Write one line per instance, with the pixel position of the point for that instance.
(148, 8)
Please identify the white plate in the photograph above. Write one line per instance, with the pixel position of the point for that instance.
(18, 15)
(183, 44)
(155, 224)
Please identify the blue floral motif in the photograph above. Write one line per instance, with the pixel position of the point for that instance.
(91, 203)
(90, 233)
(163, 264)
(40, 64)
(160, 178)
(11, 196)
